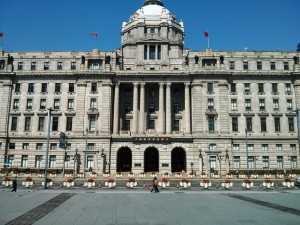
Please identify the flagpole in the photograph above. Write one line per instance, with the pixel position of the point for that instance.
(208, 42)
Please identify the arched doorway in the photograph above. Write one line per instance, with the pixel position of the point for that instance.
(124, 160)
(151, 160)
(178, 158)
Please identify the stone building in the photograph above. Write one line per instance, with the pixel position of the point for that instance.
(151, 105)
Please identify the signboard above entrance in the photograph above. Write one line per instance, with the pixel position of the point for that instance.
(152, 139)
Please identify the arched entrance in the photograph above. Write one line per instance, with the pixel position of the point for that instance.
(151, 160)
(178, 158)
(124, 160)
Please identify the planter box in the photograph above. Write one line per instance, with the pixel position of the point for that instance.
(131, 184)
(164, 184)
(110, 184)
(247, 185)
(49, 184)
(288, 184)
(227, 185)
(185, 184)
(7, 183)
(89, 184)
(205, 185)
(68, 184)
(28, 184)
(268, 185)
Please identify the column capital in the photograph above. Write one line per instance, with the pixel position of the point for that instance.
(168, 84)
(187, 84)
(143, 84)
(117, 84)
(161, 84)
(135, 84)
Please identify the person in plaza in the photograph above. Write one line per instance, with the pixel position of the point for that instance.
(155, 186)
(14, 184)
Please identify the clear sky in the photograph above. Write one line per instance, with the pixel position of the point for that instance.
(66, 25)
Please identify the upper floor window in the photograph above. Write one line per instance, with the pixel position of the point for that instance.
(248, 104)
(235, 126)
(176, 93)
(261, 88)
(259, 65)
(57, 87)
(152, 49)
(93, 87)
(277, 124)
(274, 88)
(33, 66)
(71, 87)
(2, 64)
(59, 65)
(17, 87)
(210, 87)
(44, 87)
(43, 104)
(249, 123)
(233, 87)
(151, 107)
(73, 65)
(247, 87)
(127, 107)
(70, 103)
(231, 65)
(211, 123)
(286, 65)
(46, 65)
(151, 93)
(210, 103)
(273, 66)
(55, 123)
(233, 104)
(262, 105)
(127, 93)
(176, 107)
(16, 104)
(275, 104)
(30, 87)
(56, 103)
(288, 87)
(245, 65)
(20, 66)
(29, 104)
(289, 104)
(93, 104)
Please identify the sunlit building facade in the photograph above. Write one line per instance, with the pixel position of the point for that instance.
(151, 105)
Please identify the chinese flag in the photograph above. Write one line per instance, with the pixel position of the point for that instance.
(205, 34)
(94, 34)
(1, 35)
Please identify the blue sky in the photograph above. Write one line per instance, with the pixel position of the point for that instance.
(66, 25)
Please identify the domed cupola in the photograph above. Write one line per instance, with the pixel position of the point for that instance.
(153, 2)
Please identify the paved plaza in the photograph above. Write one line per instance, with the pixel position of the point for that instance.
(122, 206)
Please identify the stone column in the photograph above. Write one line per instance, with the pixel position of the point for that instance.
(142, 110)
(227, 164)
(116, 109)
(200, 163)
(187, 108)
(81, 122)
(224, 109)
(135, 108)
(197, 112)
(168, 109)
(161, 109)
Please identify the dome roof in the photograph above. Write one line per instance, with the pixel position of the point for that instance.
(153, 2)
(153, 10)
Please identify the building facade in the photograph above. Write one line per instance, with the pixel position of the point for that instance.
(151, 105)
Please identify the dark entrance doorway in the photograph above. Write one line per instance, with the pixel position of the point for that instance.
(151, 160)
(178, 160)
(124, 160)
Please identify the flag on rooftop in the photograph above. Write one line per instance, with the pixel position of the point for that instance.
(94, 34)
(1, 34)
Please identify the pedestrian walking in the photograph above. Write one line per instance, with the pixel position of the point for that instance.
(14, 184)
(155, 186)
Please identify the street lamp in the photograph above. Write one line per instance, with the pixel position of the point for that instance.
(75, 158)
(86, 146)
(47, 147)
(192, 164)
(39, 159)
(246, 130)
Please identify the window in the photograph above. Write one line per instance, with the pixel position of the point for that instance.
(264, 147)
(16, 104)
(71, 87)
(24, 161)
(127, 125)
(29, 104)
(261, 88)
(213, 162)
(57, 87)
(68, 146)
(274, 88)
(249, 123)
(294, 162)
(127, 93)
(56, 104)
(33, 66)
(275, 104)
(11, 160)
(12, 146)
(251, 162)
(38, 159)
(211, 123)
(67, 161)
(17, 87)
(231, 65)
(288, 88)
(53, 146)
(90, 161)
(39, 146)
(27, 123)
(235, 126)
(235, 147)
(93, 104)
(30, 87)
(151, 107)
(151, 124)
(69, 123)
(291, 124)
(247, 87)
(289, 104)
(176, 108)
(2, 64)
(46, 65)
(93, 87)
(293, 147)
(127, 107)
(263, 124)
(245, 65)
(73, 65)
(262, 104)
(55, 124)
(70, 103)
(233, 104)
(258, 65)
(279, 147)
(91, 146)
(43, 104)
(94, 64)
(25, 146)
(212, 147)
(14, 124)
(248, 104)
(59, 65)
(277, 124)
(286, 65)
(236, 162)
(41, 125)
(279, 162)
(210, 87)
(273, 66)
(250, 147)
(210, 103)
(92, 123)
(233, 87)
(52, 161)
(265, 160)
(151, 93)
(176, 125)
(152, 52)
(145, 52)
(44, 87)
(20, 66)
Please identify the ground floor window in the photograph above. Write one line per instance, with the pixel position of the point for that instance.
(24, 162)
(293, 162)
(67, 161)
(52, 161)
(236, 162)
(265, 160)
(90, 161)
(279, 162)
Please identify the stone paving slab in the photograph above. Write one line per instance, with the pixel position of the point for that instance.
(122, 207)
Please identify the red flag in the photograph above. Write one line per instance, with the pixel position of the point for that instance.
(1, 35)
(206, 34)
(94, 34)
